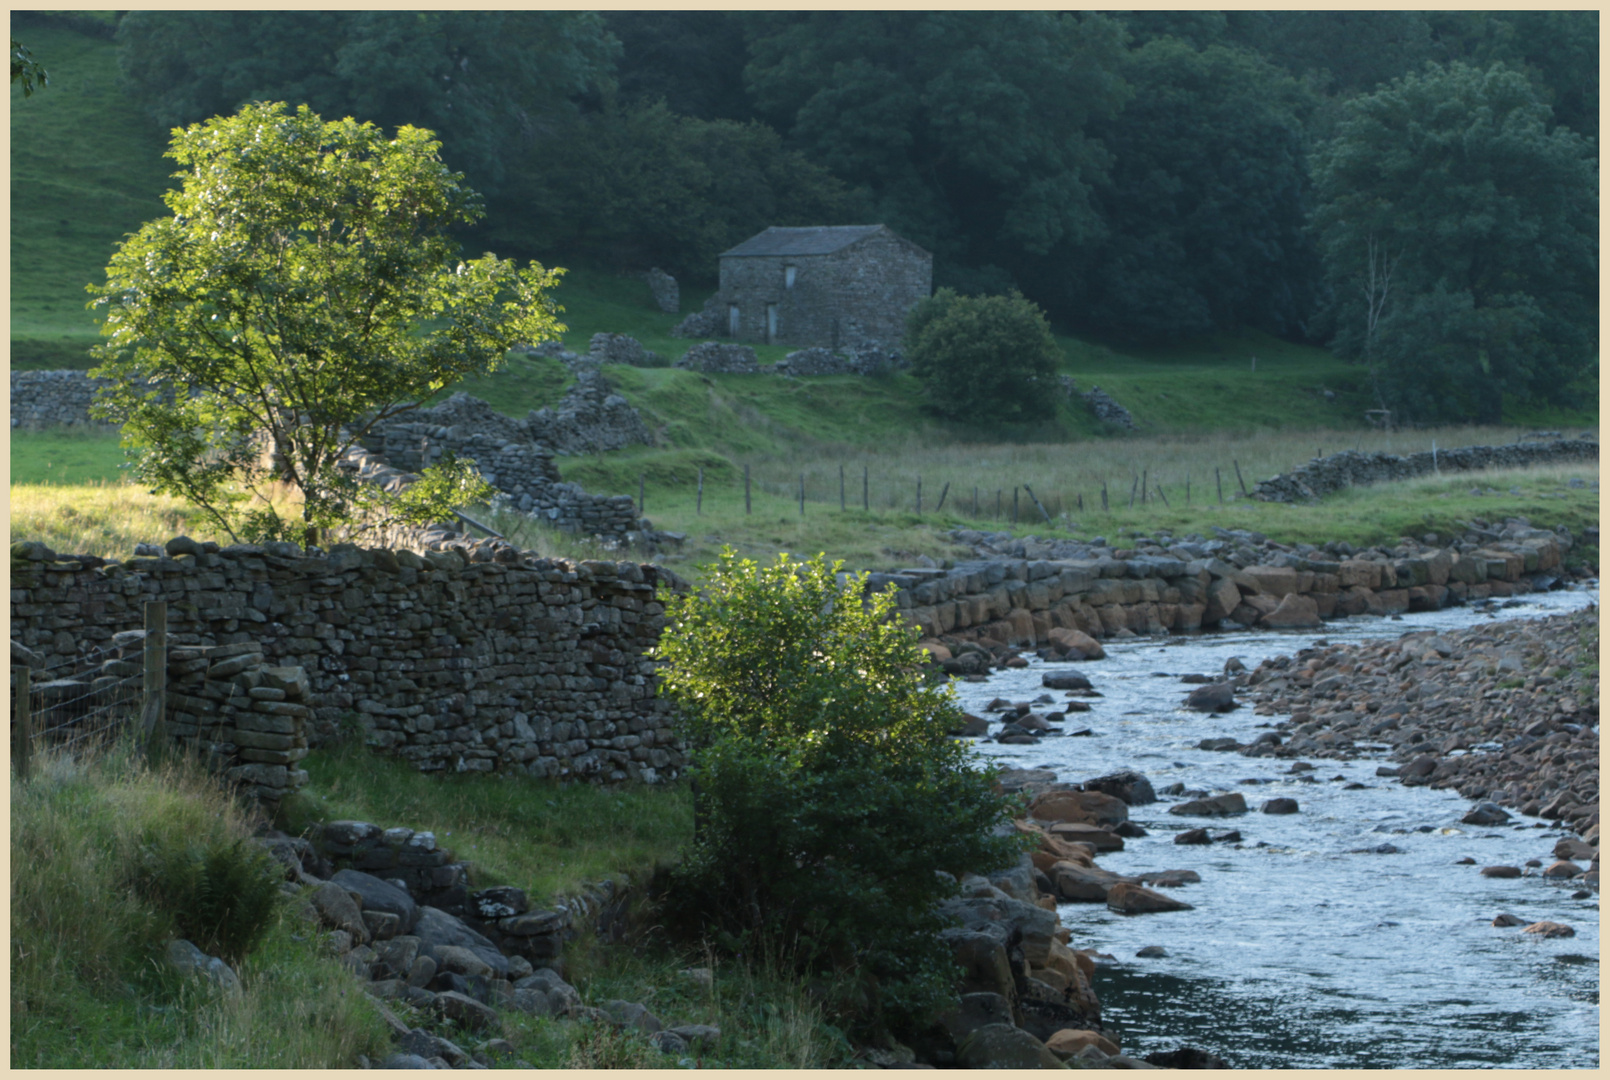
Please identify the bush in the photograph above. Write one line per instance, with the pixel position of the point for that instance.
(223, 894)
(827, 792)
(983, 357)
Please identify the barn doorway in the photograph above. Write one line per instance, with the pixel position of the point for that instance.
(771, 324)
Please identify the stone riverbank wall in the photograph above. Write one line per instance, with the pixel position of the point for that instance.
(473, 658)
(1324, 475)
(1018, 602)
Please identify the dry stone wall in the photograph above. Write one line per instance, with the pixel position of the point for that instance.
(477, 657)
(1324, 475)
(42, 399)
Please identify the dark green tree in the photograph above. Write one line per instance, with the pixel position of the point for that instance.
(969, 128)
(1459, 234)
(1205, 206)
(303, 291)
(828, 791)
(1557, 50)
(490, 82)
(692, 60)
(639, 185)
(983, 358)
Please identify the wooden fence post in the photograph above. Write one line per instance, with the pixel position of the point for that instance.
(1014, 506)
(1143, 482)
(941, 504)
(1160, 495)
(1238, 479)
(1218, 482)
(1104, 496)
(1134, 483)
(23, 747)
(1037, 503)
(155, 697)
(919, 494)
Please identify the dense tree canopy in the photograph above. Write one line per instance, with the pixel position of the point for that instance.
(967, 127)
(488, 82)
(1204, 210)
(1460, 240)
(1143, 173)
(303, 291)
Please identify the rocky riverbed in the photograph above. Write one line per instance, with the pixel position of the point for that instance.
(1505, 712)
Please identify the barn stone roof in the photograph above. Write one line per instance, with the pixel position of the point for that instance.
(810, 240)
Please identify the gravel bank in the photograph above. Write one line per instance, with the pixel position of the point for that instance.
(1506, 712)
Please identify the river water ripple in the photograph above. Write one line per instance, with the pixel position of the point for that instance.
(1300, 953)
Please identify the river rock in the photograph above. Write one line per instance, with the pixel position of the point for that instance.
(1213, 806)
(1550, 929)
(1280, 806)
(985, 966)
(1485, 813)
(1069, 1041)
(1504, 918)
(1079, 833)
(1066, 681)
(1001, 1046)
(972, 1012)
(1070, 638)
(1087, 884)
(1132, 787)
(1214, 697)
(1501, 871)
(1562, 869)
(1152, 952)
(1087, 807)
(1192, 836)
(1186, 1057)
(1296, 612)
(1131, 899)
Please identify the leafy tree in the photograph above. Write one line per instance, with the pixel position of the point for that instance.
(983, 357)
(1557, 50)
(1459, 238)
(691, 60)
(26, 70)
(489, 81)
(1206, 202)
(1340, 52)
(639, 185)
(969, 128)
(827, 791)
(303, 291)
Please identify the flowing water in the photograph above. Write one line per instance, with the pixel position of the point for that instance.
(1303, 952)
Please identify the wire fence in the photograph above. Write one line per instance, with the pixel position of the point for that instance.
(87, 700)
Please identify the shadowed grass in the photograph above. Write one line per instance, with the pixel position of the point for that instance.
(88, 988)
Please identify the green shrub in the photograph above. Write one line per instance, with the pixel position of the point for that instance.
(223, 893)
(983, 357)
(827, 793)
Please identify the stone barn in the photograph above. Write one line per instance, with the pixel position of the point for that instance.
(838, 286)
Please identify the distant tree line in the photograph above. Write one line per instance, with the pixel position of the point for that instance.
(1149, 175)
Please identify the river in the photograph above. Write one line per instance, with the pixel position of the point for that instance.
(1301, 952)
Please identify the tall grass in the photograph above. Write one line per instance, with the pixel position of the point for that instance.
(88, 986)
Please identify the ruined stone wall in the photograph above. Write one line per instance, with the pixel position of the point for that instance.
(476, 658)
(1322, 476)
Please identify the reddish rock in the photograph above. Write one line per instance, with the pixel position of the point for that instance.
(1087, 807)
(1501, 871)
(1098, 838)
(1070, 638)
(1130, 899)
(1550, 929)
(1069, 1041)
(1563, 869)
(1296, 612)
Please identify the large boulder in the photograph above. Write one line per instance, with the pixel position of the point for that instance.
(1086, 807)
(1088, 884)
(1001, 1046)
(972, 1012)
(986, 969)
(1069, 638)
(1077, 832)
(1213, 697)
(1129, 786)
(1068, 680)
(378, 895)
(436, 928)
(1130, 899)
(337, 909)
(1296, 612)
(1213, 806)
